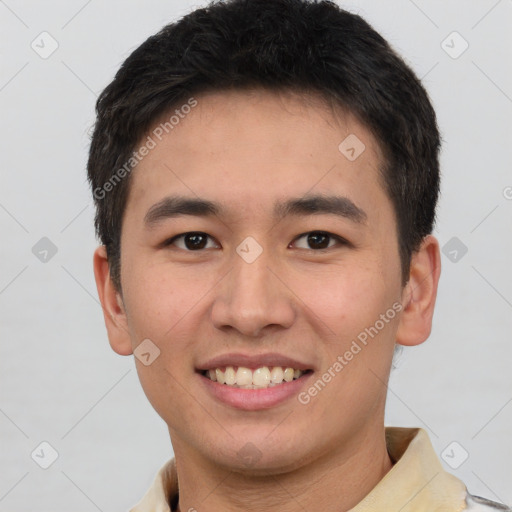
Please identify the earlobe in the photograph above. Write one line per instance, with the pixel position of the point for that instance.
(112, 304)
(419, 294)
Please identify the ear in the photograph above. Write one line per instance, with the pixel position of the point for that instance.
(112, 304)
(419, 294)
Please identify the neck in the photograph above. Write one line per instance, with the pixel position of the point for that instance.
(333, 482)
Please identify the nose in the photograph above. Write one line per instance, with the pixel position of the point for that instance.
(252, 297)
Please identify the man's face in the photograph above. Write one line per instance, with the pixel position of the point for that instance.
(308, 296)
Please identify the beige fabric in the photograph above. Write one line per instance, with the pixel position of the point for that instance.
(417, 481)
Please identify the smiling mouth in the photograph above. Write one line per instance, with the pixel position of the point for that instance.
(259, 378)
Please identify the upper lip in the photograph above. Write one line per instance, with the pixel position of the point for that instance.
(253, 361)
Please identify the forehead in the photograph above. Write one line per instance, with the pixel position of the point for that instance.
(237, 118)
(247, 147)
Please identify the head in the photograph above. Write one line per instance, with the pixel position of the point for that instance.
(265, 110)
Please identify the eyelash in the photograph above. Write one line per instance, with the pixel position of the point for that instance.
(339, 239)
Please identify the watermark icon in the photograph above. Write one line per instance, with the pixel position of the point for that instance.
(146, 352)
(454, 45)
(507, 193)
(44, 455)
(355, 348)
(455, 455)
(150, 143)
(249, 454)
(352, 147)
(454, 249)
(249, 250)
(44, 45)
(44, 250)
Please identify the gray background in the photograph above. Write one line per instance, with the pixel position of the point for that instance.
(60, 381)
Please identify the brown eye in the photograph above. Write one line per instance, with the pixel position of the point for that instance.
(192, 241)
(195, 241)
(318, 240)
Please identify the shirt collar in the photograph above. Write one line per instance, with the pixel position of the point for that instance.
(416, 482)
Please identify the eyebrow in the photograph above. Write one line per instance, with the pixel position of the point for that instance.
(321, 204)
(174, 206)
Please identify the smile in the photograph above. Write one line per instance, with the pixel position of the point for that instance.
(259, 378)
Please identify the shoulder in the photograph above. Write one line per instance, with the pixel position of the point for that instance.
(477, 504)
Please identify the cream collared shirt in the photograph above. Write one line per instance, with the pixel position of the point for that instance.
(417, 482)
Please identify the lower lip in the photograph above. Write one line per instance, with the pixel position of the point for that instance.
(255, 399)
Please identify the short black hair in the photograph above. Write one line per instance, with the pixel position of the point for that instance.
(310, 46)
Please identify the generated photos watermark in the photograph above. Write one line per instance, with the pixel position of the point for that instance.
(355, 348)
(151, 142)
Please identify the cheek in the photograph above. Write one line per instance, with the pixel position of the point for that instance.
(357, 357)
(159, 298)
(163, 308)
(346, 299)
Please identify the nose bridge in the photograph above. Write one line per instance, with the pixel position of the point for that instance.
(251, 297)
(251, 281)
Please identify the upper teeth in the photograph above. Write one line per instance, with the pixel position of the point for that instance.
(253, 379)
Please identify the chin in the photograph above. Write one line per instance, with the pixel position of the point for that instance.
(259, 455)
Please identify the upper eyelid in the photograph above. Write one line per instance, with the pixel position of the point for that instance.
(338, 238)
(321, 231)
(171, 240)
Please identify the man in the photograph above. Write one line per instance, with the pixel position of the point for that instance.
(266, 176)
